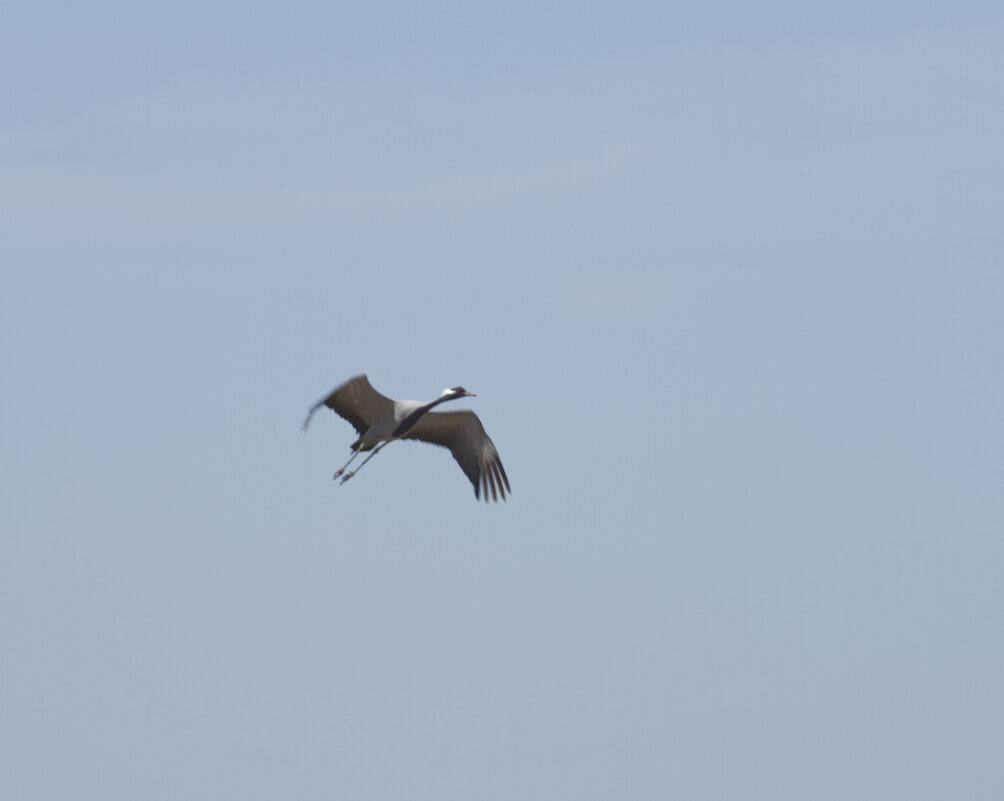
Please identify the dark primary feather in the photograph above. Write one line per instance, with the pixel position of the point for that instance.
(474, 451)
(357, 402)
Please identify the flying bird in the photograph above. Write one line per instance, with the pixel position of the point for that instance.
(379, 420)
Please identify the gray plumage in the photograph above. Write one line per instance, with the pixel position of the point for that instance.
(379, 420)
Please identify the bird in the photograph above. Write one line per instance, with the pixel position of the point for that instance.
(379, 420)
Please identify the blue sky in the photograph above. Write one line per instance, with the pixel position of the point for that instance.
(727, 281)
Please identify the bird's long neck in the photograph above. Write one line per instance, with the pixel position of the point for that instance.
(439, 400)
(408, 423)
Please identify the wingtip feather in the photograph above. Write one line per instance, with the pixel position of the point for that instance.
(491, 481)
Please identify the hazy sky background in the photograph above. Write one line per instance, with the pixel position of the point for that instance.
(727, 279)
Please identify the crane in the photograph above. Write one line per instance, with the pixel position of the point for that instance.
(379, 420)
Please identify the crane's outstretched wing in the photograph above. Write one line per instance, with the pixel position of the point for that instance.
(464, 435)
(357, 402)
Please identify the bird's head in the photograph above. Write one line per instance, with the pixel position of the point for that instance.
(457, 392)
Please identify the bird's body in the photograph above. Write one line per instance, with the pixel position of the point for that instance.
(379, 420)
(384, 428)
